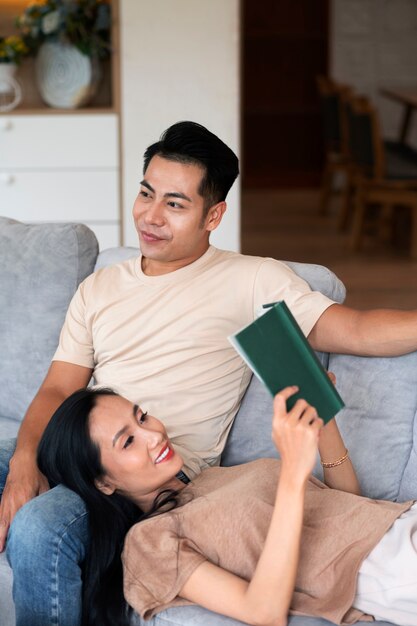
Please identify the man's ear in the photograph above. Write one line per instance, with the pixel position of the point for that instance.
(215, 214)
(104, 486)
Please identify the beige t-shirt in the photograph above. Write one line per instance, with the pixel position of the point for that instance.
(223, 517)
(161, 341)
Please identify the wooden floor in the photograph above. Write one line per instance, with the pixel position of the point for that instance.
(286, 225)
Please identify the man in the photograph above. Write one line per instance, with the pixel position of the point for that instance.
(155, 329)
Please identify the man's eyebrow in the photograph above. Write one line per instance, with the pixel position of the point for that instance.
(121, 432)
(177, 194)
(169, 194)
(145, 183)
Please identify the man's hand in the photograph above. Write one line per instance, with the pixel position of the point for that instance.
(23, 483)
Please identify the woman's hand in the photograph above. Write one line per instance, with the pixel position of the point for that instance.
(295, 434)
(266, 598)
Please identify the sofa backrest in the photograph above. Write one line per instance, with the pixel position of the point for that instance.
(378, 424)
(41, 267)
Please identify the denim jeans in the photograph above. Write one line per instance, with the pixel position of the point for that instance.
(46, 547)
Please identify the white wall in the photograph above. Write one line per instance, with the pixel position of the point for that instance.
(374, 44)
(179, 61)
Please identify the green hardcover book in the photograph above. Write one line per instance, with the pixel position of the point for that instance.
(279, 354)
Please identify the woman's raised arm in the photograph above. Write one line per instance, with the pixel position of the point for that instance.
(265, 600)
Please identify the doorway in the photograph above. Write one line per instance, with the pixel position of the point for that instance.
(284, 47)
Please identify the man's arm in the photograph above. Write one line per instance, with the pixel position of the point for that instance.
(24, 481)
(378, 332)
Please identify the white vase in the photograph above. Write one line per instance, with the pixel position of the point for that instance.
(66, 78)
(10, 89)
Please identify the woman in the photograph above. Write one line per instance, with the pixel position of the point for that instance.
(252, 542)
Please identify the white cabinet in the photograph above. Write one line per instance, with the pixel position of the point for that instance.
(61, 168)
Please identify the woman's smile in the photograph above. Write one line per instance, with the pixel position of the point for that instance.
(166, 454)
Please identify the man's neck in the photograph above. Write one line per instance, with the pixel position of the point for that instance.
(152, 267)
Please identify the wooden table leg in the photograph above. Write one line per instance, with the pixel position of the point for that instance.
(405, 124)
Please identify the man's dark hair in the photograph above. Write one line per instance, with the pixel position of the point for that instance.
(192, 144)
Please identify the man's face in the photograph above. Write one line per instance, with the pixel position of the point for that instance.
(168, 216)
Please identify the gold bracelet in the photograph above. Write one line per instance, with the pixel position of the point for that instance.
(336, 463)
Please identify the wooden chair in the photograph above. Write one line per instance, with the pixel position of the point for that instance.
(384, 173)
(332, 98)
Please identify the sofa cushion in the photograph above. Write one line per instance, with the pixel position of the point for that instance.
(378, 422)
(42, 265)
(321, 279)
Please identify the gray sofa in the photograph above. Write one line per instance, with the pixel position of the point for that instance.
(41, 266)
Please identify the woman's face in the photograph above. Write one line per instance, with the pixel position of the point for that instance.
(136, 453)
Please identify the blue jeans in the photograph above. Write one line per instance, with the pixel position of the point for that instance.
(46, 547)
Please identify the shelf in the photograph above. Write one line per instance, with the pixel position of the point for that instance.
(45, 110)
(106, 100)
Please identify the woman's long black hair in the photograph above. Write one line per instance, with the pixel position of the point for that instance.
(68, 456)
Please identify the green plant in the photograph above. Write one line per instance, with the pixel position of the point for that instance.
(12, 49)
(83, 23)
